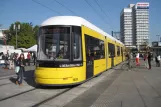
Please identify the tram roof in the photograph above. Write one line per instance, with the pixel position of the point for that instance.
(75, 21)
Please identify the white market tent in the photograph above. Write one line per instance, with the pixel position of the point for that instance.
(33, 48)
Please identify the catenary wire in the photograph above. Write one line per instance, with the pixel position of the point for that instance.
(102, 10)
(47, 7)
(97, 12)
(65, 7)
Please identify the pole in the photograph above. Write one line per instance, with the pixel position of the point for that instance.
(16, 37)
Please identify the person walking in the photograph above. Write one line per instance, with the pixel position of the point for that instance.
(149, 60)
(16, 65)
(21, 64)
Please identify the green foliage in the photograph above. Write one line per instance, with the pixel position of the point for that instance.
(36, 29)
(26, 36)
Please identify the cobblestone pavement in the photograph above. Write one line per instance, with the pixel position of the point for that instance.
(135, 88)
(116, 87)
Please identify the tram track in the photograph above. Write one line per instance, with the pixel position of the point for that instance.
(50, 98)
(17, 94)
(41, 102)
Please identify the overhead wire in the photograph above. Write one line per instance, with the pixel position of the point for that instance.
(97, 12)
(47, 7)
(65, 7)
(102, 10)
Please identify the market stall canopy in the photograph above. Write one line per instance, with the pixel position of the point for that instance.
(33, 48)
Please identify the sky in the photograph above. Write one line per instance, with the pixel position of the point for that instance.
(29, 11)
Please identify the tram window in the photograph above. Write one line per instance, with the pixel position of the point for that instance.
(111, 50)
(77, 53)
(118, 51)
(94, 48)
(55, 43)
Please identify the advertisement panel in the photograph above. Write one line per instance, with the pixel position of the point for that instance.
(142, 6)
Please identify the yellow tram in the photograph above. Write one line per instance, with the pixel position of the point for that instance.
(71, 50)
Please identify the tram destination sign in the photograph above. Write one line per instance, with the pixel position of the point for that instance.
(55, 30)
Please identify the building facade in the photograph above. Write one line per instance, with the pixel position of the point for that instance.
(134, 25)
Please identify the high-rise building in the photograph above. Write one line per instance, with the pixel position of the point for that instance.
(134, 24)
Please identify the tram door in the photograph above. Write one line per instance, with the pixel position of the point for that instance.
(89, 68)
(111, 48)
(122, 53)
(89, 58)
(112, 60)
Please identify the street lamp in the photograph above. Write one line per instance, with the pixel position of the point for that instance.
(16, 27)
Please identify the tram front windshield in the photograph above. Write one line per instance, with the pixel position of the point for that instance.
(54, 43)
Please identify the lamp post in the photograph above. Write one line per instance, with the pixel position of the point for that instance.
(16, 27)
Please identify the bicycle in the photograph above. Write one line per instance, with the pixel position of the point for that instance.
(129, 65)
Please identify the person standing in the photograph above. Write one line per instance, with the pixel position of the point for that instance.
(137, 59)
(149, 60)
(21, 63)
(145, 60)
(156, 60)
(34, 58)
(158, 57)
(28, 58)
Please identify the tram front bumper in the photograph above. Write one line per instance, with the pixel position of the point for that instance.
(54, 76)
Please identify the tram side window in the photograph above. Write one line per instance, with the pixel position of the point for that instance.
(94, 48)
(111, 50)
(118, 51)
(121, 51)
(77, 53)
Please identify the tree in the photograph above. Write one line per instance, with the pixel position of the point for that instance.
(26, 36)
(36, 29)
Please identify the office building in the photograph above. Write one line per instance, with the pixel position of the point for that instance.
(134, 24)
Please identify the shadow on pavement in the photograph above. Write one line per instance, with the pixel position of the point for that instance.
(12, 79)
(28, 78)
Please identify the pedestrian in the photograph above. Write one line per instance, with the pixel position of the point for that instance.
(6, 61)
(21, 64)
(158, 58)
(137, 59)
(149, 60)
(16, 65)
(34, 57)
(28, 58)
(145, 60)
